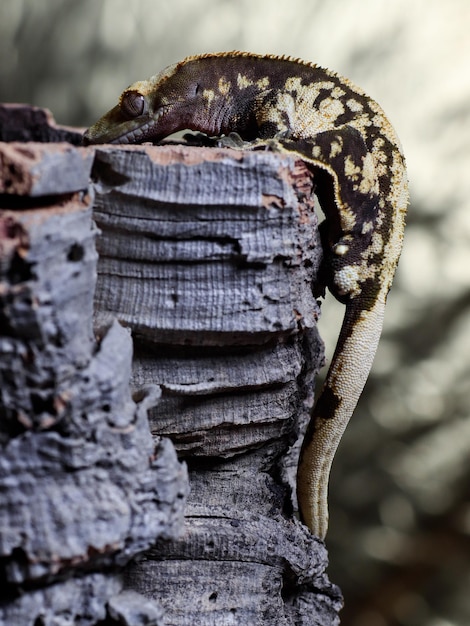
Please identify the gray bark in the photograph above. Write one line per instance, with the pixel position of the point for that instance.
(83, 485)
(24, 123)
(209, 257)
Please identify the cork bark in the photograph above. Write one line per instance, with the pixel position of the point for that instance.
(83, 485)
(207, 273)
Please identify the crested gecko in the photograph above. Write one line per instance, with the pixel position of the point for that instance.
(345, 137)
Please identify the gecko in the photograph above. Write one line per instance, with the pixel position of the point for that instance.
(314, 114)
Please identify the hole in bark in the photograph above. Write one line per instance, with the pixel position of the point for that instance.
(213, 596)
(8, 181)
(42, 404)
(39, 621)
(107, 175)
(76, 253)
(19, 270)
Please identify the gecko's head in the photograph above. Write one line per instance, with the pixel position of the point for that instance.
(152, 109)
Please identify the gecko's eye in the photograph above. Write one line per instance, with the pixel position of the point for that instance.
(133, 104)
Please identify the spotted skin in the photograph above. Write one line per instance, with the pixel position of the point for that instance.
(344, 136)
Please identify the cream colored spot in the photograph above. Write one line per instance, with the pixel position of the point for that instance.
(368, 183)
(286, 102)
(307, 117)
(243, 81)
(377, 244)
(380, 156)
(347, 219)
(224, 86)
(336, 148)
(347, 281)
(381, 169)
(283, 114)
(293, 83)
(354, 105)
(367, 227)
(377, 120)
(378, 143)
(337, 92)
(351, 170)
(340, 249)
(316, 152)
(331, 108)
(209, 95)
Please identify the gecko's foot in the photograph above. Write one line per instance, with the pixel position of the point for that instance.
(270, 145)
(232, 140)
(188, 139)
(199, 139)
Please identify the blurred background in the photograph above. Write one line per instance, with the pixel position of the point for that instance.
(400, 493)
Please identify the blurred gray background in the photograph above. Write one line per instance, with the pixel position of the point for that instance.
(400, 509)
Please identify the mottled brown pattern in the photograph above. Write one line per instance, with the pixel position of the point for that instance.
(299, 108)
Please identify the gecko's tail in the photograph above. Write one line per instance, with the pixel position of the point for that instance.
(345, 380)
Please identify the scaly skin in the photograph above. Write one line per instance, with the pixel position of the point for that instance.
(345, 137)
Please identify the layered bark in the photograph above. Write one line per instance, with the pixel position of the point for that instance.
(84, 487)
(208, 257)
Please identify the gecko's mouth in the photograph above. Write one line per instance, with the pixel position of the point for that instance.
(138, 135)
(112, 129)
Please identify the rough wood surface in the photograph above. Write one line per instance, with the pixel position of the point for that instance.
(182, 231)
(22, 122)
(35, 169)
(83, 486)
(209, 256)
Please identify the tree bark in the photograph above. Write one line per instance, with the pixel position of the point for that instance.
(210, 257)
(83, 486)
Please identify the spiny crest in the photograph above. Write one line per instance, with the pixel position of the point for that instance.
(248, 55)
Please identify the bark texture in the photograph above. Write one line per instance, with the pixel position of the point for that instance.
(83, 486)
(25, 123)
(209, 256)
